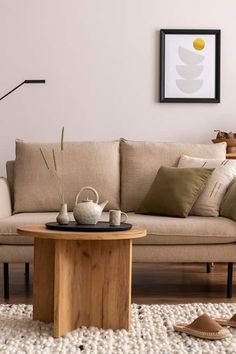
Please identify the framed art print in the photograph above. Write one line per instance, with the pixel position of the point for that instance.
(190, 66)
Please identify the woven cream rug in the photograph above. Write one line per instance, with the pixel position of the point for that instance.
(151, 333)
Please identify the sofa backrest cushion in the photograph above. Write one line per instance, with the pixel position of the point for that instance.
(95, 164)
(140, 162)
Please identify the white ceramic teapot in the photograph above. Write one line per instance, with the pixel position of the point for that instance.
(88, 212)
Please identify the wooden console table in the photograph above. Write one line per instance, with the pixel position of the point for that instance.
(231, 155)
(82, 278)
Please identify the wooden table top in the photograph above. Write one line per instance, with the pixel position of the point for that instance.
(40, 231)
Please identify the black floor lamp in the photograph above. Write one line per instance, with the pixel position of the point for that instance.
(24, 82)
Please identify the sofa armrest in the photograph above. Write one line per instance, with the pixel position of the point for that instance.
(5, 199)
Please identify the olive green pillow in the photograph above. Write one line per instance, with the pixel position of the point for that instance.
(174, 191)
(228, 205)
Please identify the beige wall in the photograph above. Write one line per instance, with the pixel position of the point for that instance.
(100, 59)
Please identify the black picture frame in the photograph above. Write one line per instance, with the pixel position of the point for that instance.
(163, 34)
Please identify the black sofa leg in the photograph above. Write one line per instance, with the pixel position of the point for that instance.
(208, 267)
(6, 280)
(230, 280)
(27, 269)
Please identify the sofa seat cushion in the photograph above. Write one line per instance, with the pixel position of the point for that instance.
(8, 227)
(163, 230)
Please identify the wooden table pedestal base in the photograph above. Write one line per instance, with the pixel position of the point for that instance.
(82, 283)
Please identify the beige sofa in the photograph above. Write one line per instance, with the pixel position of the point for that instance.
(122, 172)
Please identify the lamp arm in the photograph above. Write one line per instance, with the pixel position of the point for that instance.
(24, 82)
(12, 90)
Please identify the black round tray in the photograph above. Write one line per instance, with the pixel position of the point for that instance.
(101, 226)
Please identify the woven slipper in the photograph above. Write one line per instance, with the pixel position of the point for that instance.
(203, 327)
(227, 321)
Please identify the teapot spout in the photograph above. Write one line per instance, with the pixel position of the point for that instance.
(103, 204)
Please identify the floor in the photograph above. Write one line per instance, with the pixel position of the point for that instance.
(152, 284)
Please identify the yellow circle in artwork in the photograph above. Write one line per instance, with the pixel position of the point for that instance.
(199, 43)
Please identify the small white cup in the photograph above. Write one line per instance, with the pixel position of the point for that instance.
(116, 217)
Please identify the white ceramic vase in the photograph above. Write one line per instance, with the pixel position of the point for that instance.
(63, 217)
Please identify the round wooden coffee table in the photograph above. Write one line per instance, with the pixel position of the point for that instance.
(82, 278)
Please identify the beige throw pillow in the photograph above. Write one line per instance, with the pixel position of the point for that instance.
(228, 205)
(208, 203)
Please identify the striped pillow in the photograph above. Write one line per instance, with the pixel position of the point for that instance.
(208, 203)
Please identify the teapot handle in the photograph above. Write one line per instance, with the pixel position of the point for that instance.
(87, 188)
